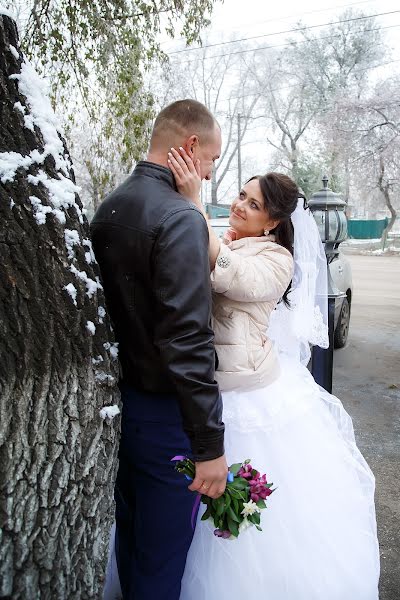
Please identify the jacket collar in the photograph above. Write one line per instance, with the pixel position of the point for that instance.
(251, 241)
(150, 169)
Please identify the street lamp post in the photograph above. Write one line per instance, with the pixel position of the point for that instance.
(328, 210)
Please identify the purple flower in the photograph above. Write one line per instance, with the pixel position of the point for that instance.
(245, 472)
(179, 458)
(222, 533)
(258, 489)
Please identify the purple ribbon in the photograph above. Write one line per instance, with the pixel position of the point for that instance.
(195, 510)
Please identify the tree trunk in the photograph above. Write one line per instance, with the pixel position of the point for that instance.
(214, 187)
(384, 188)
(58, 367)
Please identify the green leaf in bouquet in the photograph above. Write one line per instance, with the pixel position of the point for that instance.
(233, 526)
(268, 485)
(235, 468)
(261, 504)
(227, 500)
(234, 493)
(239, 484)
(256, 518)
(219, 506)
(206, 515)
(231, 514)
(259, 528)
(222, 524)
(235, 505)
(247, 461)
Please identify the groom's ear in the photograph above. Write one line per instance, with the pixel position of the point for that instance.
(191, 144)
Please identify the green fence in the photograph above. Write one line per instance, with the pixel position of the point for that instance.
(366, 230)
(214, 211)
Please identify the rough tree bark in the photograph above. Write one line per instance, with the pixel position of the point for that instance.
(58, 363)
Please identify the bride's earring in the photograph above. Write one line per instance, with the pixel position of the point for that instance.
(266, 231)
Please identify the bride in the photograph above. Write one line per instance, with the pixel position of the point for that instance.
(319, 537)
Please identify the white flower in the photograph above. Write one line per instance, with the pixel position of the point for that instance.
(249, 508)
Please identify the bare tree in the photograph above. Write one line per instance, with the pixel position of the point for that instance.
(58, 369)
(289, 103)
(218, 80)
(303, 83)
(374, 125)
(337, 63)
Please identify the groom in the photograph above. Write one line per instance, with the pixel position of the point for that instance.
(152, 248)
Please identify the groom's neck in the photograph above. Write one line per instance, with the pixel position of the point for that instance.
(158, 158)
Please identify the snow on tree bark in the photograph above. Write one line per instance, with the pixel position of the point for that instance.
(58, 365)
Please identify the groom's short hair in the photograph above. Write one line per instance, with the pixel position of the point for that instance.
(183, 118)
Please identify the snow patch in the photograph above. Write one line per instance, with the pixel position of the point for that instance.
(7, 13)
(101, 311)
(91, 285)
(61, 191)
(96, 361)
(91, 327)
(18, 106)
(72, 291)
(12, 203)
(36, 91)
(381, 252)
(13, 50)
(109, 412)
(38, 113)
(28, 119)
(101, 377)
(10, 162)
(41, 210)
(112, 349)
(72, 239)
(89, 256)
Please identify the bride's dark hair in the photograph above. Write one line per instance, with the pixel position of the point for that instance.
(280, 195)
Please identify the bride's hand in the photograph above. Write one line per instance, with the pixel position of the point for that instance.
(186, 173)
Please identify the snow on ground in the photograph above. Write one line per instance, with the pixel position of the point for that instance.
(353, 242)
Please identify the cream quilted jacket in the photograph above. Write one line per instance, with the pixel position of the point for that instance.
(250, 276)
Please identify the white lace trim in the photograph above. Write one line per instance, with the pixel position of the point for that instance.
(319, 334)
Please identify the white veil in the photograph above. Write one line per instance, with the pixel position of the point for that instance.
(305, 322)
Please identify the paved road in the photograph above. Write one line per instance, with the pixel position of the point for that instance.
(367, 379)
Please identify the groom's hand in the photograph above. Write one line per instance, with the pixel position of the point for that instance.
(210, 477)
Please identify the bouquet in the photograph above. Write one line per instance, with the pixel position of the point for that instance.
(239, 506)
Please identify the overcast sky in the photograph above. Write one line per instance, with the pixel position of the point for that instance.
(256, 17)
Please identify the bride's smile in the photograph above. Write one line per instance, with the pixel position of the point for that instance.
(249, 216)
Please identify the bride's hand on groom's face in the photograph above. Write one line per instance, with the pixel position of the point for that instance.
(186, 173)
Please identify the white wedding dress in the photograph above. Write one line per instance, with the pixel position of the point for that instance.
(319, 531)
(318, 538)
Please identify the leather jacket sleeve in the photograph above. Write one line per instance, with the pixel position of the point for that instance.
(183, 333)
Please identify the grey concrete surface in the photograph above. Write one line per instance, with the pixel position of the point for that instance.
(367, 380)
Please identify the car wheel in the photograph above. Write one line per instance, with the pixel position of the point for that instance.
(342, 327)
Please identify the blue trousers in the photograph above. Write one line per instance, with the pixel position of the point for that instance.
(153, 503)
